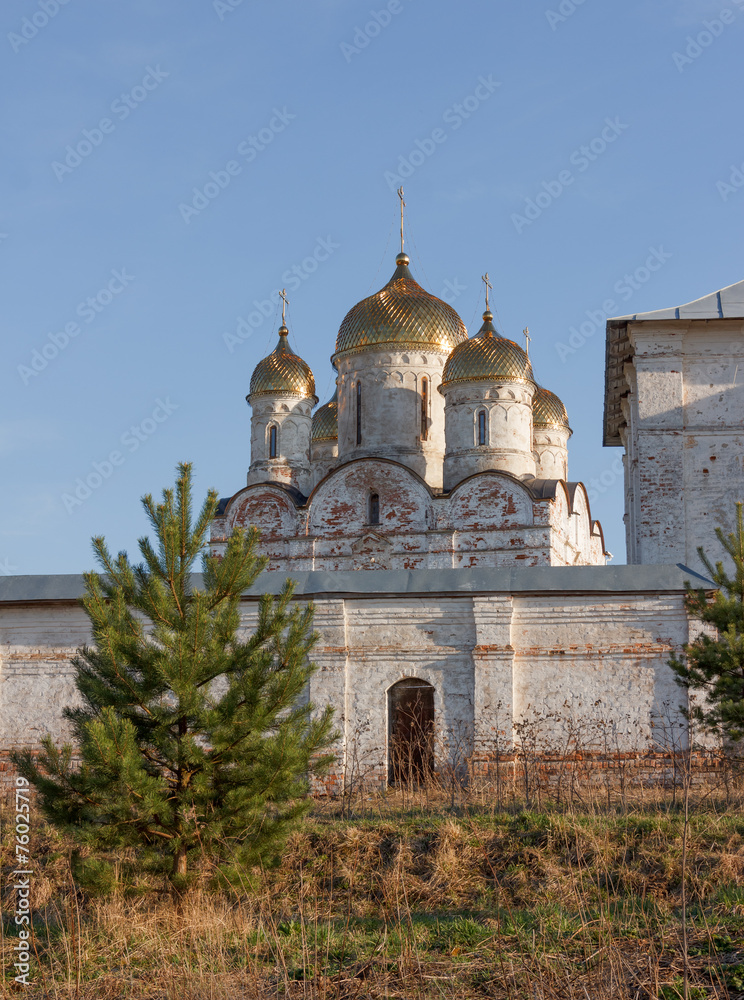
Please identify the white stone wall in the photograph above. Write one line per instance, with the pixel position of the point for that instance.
(291, 415)
(508, 406)
(494, 659)
(602, 659)
(391, 409)
(685, 437)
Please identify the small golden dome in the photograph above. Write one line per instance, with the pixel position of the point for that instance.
(282, 373)
(325, 421)
(548, 410)
(487, 357)
(401, 315)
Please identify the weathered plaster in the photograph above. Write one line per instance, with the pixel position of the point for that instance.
(496, 645)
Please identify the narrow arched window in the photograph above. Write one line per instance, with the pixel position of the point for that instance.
(359, 412)
(424, 408)
(272, 441)
(374, 508)
(482, 427)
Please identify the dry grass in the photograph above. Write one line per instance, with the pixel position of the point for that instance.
(416, 902)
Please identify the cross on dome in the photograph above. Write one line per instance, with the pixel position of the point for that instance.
(285, 303)
(402, 206)
(489, 286)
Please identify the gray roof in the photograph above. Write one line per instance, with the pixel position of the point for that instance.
(727, 303)
(318, 583)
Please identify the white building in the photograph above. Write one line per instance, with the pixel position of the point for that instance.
(435, 452)
(674, 400)
(441, 464)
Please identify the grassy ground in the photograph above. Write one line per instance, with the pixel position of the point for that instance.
(415, 902)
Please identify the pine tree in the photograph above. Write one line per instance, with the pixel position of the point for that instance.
(715, 666)
(192, 738)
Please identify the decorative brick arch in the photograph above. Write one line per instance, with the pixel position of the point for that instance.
(340, 503)
(489, 500)
(270, 509)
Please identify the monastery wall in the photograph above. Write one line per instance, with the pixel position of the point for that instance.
(37, 642)
(497, 645)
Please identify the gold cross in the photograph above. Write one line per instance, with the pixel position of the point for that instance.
(285, 303)
(527, 339)
(402, 206)
(484, 278)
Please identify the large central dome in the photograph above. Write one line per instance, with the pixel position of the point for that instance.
(401, 315)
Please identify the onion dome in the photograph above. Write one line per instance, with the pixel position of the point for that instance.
(548, 410)
(283, 372)
(325, 421)
(487, 357)
(400, 315)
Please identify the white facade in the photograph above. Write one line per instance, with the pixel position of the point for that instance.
(675, 403)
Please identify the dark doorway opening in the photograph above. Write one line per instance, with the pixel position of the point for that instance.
(411, 731)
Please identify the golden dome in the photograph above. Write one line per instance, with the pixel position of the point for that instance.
(487, 356)
(402, 315)
(548, 410)
(282, 373)
(325, 421)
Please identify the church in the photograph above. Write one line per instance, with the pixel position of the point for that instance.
(437, 451)
(457, 576)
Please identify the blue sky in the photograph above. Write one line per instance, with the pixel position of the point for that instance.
(125, 283)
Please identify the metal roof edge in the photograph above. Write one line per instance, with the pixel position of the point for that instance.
(725, 303)
(533, 579)
(315, 583)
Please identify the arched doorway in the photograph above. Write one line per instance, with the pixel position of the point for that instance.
(410, 731)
